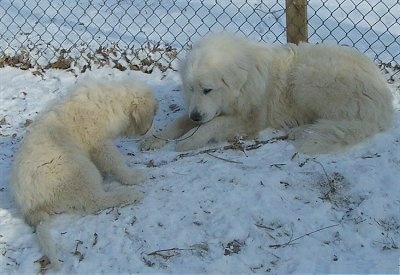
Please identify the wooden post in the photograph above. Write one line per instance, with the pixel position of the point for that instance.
(296, 21)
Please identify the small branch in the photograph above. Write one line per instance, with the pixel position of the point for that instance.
(332, 188)
(323, 168)
(96, 236)
(169, 250)
(227, 160)
(78, 253)
(180, 139)
(302, 236)
(164, 253)
(257, 144)
(263, 226)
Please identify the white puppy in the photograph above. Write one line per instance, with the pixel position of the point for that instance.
(68, 150)
(326, 96)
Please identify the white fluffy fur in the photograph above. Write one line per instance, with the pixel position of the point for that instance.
(326, 96)
(67, 151)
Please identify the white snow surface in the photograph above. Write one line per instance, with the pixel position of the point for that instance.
(214, 210)
(267, 210)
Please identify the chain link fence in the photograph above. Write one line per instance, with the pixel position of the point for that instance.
(129, 34)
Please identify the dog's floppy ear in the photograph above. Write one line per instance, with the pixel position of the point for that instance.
(235, 77)
(135, 110)
(136, 116)
(143, 110)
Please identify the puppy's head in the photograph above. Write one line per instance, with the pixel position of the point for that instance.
(143, 109)
(213, 75)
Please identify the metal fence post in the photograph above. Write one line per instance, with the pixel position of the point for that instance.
(296, 21)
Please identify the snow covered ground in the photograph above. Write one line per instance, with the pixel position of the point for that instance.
(251, 207)
(266, 209)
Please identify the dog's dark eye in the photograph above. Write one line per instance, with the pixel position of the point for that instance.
(206, 91)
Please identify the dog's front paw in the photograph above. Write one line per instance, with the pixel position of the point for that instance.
(133, 176)
(152, 143)
(187, 145)
(182, 147)
(131, 196)
(120, 197)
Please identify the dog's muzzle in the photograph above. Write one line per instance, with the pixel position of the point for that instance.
(196, 116)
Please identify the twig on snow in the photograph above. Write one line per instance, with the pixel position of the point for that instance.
(166, 253)
(257, 144)
(227, 160)
(302, 236)
(180, 139)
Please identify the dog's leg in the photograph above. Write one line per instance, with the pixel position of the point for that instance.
(176, 129)
(100, 199)
(115, 198)
(217, 130)
(92, 197)
(109, 160)
(81, 189)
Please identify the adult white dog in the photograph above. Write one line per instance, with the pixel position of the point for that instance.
(67, 151)
(326, 96)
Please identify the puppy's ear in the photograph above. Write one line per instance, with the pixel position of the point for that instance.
(136, 117)
(143, 112)
(235, 77)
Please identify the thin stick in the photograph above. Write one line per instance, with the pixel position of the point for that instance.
(302, 236)
(323, 168)
(256, 145)
(180, 139)
(159, 252)
(170, 249)
(332, 188)
(227, 160)
(263, 226)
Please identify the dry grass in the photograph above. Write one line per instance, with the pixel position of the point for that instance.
(145, 58)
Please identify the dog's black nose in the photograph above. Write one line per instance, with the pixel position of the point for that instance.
(195, 116)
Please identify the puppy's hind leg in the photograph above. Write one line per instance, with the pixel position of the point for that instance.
(85, 192)
(110, 161)
(100, 199)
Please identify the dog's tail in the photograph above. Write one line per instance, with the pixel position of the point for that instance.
(47, 244)
(326, 136)
(41, 221)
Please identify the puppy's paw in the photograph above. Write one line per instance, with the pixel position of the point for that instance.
(131, 196)
(152, 143)
(187, 145)
(120, 197)
(133, 176)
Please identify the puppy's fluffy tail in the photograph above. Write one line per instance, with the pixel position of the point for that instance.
(41, 221)
(326, 136)
(47, 244)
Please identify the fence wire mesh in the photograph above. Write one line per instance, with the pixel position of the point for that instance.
(79, 34)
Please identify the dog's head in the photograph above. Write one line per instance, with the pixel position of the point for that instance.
(143, 109)
(213, 75)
